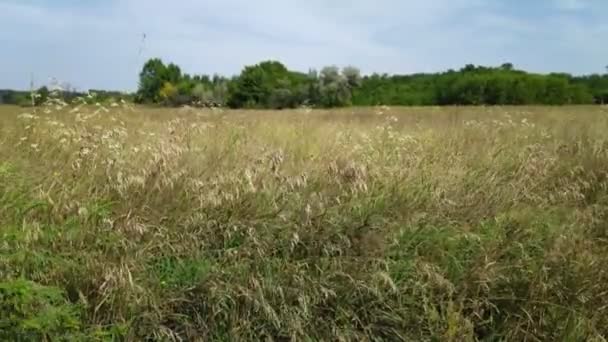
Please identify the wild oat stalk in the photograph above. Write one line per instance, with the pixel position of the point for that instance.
(377, 224)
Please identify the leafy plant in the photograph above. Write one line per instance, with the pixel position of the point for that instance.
(29, 311)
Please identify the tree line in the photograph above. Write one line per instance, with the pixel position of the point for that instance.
(42, 94)
(270, 84)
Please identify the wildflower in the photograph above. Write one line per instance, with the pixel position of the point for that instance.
(82, 211)
(26, 116)
(85, 151)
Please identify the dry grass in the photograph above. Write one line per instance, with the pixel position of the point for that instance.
(451, 224)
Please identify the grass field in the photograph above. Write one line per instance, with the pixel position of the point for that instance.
(376, 224)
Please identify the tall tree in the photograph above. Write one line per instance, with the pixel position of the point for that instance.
(151, 80)
(257, 83)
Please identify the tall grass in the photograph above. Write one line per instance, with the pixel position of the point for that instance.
(450, 224)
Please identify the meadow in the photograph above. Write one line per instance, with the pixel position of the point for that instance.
(358, 224)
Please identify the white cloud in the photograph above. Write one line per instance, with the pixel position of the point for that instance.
(98, 47)
(571, 5)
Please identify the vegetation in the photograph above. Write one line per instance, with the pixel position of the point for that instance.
(43, 95)
(271, 85)
(166, 84)
(424, 224)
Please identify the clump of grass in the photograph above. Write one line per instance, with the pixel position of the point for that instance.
(376, 224)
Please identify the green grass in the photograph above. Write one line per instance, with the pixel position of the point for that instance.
(426, 224)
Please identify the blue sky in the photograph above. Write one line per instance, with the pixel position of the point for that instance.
(98, 43)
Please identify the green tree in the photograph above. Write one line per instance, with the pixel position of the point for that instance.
(556, 90)
(202, 92)
(257, 85)
(507, 66)
(270, 84)
(151, 80)
(173, 74)
(334, 88)
(42, 95)
(353, 76)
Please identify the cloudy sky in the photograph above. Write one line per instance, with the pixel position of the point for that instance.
(99, 43)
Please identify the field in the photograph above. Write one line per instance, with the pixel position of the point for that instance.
(368, 224)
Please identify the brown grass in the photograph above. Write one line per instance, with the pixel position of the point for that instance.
(356, 224)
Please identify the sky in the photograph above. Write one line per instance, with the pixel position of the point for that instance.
(100, 44)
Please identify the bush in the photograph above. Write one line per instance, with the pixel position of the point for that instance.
(32, 312)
